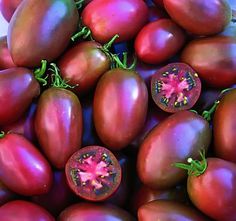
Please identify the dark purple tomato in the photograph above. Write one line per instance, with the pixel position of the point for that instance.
(158, 41)
(93, 173)
(18, 87)
(5, 57)
(8, 7)
(224, 125)
(205, 17)
(176, 138)
(24, 211)
(218, 70)
(98, 212)
(155, 13)
(214, 191)
(46, 35)
(162, 210)
(119, 107)
(175, 87)
(25, 125)
(106, 18)
(6, 195)
(23, 169)
(58, 198)
(82, 65)
(58, 125)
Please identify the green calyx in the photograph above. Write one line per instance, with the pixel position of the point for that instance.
(2, 134)
(79, 4)
(40, 72)
(117, 63)
(194, 167)
(85, 32)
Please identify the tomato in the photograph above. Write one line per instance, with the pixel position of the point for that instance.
(168, 211)
(8, 7)
(205, 17)
(25, 211)
(83, 65)
(218, 70)
(93, 173)
(18, 87)
(46, 35)
(59, 116)
(98, 212)
(123, 17)
(223, 127)
(119, 107)
(5, 194)
(158, 41)
(5, 57)
(23, 169)
(179, 136)
(175, 87)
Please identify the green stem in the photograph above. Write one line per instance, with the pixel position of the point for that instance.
(85, 33)
(194, 111)
(119, 64)
(108, 45)
(207, 114)
(2, 134)
(39, 73)
(79, 4)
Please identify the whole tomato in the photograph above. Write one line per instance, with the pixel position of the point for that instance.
(46, 35)
(123, 17)
(24, 211)
(23, 169)
(8, 7)
(119, 107)
(179, 136)
(213, 58)
(158, 41)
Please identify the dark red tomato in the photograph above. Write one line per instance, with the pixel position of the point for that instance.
(23, 169)
(6, 195)
(223, 127)
(218, 70)
(214, 191)
(82, 65)
(58, 198)
(155, 13)
(58, 125)
(175, 87)
(179, 136)
(25, 125)
(98, 212)
(159, 3)
(46, 35)
(119, 107)
(8, 7)
(162, 210)
(93, 173)
(18, 87)
(24, 211)
(158, 41)
(123, 17)
(5, 57)
(205, 17)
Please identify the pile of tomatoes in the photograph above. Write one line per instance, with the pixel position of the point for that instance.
(118, 110)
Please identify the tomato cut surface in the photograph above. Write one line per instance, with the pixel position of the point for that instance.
(93, 173)
(175, 87)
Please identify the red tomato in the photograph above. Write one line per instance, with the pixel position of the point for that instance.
(8, 7)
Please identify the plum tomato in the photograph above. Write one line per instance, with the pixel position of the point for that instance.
(175, 87)
(24, 211)
(179, 136)
(158, 41)
(8, 7)
(200, 17)
(123, 17)
(93, 173)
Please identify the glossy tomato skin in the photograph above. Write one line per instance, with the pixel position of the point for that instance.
(119, 107)
(25, 211)
(214, 192)
(98, 212)
(218, 70)
(223, 127)
(58, 125)
(162, 210)
(18, 87)
(52, 29)
(206, 17)
(6, 195)
(24, 169)
(83, 65)
(158, 41)
(178, 137)
(5, 57)
(123, 17)
(8, 7)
